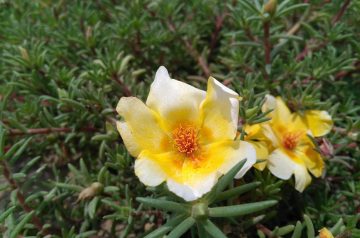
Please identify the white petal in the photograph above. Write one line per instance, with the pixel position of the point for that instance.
(191, 192)
(148, 171)
(281, 165)
(175, 101)
(302, 178)
(239, 151)
(270, 103)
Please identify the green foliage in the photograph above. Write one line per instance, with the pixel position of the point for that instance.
(65, 64)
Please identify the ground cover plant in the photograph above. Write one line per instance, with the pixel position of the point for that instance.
(70, 168)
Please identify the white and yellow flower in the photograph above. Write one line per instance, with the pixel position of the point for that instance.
(183, 135)
(291, 151)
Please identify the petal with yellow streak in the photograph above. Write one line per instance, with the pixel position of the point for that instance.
(283, 164)
(219, 112)
(148, 171)
(195, 190)
(313, 160)
(319, 122)
(232, 153)
(141, 129)
(173, 100)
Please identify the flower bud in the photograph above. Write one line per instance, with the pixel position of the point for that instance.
(326, 148)
(91, 191)
(270, 7)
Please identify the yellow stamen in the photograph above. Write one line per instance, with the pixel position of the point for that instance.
(291, 140)
(185, 139)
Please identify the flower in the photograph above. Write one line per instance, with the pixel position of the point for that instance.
(325, 233)
(291, 151)
(183, 135)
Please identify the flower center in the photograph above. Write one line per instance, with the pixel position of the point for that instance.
(290, 140)
(185, 139)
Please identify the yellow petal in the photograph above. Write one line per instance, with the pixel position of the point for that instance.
(141, 129)
(232, 153)
(325, 233)
(319, 122)
(176, 102)
(280, 111)
(262, 153)
(219, 112)
(313, 161)
(281, 117)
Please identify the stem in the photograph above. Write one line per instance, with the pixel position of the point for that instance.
(21, 198)
(343, 8)
(219, 21)
(125, 89)
(193, 52)
(264, 229)
(335, 19)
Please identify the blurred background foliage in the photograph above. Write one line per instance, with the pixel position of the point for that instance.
(65, 64)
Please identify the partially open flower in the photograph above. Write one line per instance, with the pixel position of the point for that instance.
(325, 233)
(291, 150)
(183, 135)
(91, 191)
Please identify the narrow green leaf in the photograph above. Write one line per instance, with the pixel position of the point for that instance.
(21, 224)
(163, 204)
(19, 152)
(239, 210)
(5, 214)
(292, 8)
(297, 231)
(229, 176)
(309, 226)
(201, 231)
(17, 149)
(336, 228)
(182, 228)
(30, 164)
(92, 207)
(2, 141)
(236, 191)
(212, 229)
(168, 226)
(285, 230)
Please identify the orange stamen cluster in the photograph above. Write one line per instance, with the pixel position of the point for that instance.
(185, 139)
(291, 140)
